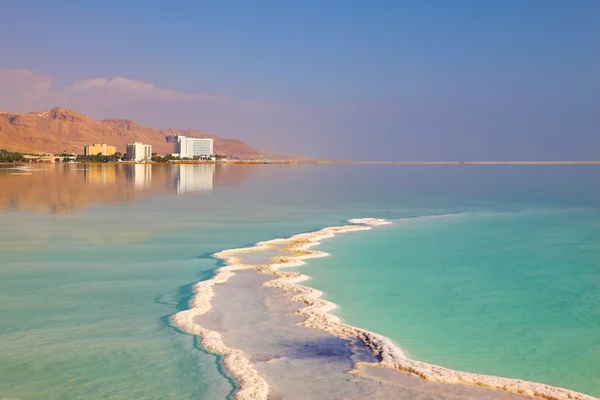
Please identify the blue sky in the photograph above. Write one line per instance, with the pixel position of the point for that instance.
(369, 80)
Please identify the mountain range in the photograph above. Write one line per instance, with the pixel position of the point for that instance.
(61, 130)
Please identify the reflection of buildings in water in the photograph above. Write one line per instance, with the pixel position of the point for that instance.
(194, 178)
(67, 188)
(142, 176)
(100, 173)
(138, 175)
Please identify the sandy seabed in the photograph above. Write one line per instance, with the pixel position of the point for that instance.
(312, 312)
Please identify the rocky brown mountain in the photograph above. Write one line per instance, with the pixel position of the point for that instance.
(62, 130)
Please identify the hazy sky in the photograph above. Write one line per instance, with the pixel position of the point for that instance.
(370, 80)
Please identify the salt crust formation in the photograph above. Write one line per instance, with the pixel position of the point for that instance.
(316, 315)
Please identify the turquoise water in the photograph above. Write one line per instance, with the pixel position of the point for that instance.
(511, 294)
(93, 264)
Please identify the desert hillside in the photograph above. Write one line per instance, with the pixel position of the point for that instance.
(62, 130)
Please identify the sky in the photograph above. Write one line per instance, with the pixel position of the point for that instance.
(352, 80)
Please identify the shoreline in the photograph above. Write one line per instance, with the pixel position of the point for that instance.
(316, 314)
(589, 162)
(320, 162)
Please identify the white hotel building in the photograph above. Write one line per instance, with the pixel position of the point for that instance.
(188, 147)
(138, 152)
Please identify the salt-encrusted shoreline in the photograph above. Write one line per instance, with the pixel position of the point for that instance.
(316, 315)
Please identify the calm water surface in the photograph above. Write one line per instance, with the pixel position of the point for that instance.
(492, 269)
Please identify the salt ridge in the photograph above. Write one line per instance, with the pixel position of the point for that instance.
(317, 315)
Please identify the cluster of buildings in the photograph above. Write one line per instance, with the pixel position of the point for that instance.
(133, 152)
(184, 148)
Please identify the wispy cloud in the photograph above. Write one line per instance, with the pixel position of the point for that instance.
(21, 88)
(25, 90)
(144, 90)
(22, 80)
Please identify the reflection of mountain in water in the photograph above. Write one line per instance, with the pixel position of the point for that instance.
(66, 188)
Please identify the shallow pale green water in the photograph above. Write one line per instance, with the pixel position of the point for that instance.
(93, 262)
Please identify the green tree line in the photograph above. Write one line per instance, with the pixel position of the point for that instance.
(11, 157)
(100, 158)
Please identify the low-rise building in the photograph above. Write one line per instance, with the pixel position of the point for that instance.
(138, 152)
(101, 148)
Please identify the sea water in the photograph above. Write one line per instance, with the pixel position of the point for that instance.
(486, 269)
(512, 294)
